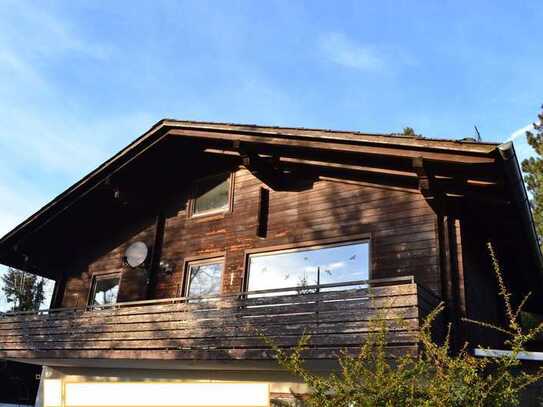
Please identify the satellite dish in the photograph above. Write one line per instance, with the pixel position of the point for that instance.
(136, 254)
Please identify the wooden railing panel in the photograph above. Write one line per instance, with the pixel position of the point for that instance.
(226, 332)
(182, 305)
(330, 317)
(221, 328)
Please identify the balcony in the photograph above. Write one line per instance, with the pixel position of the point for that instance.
(224, 328)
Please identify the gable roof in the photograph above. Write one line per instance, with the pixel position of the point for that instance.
(467, 154)
(387, 144)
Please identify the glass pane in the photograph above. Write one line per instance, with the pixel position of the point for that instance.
(212, 194)
(105, 290)
(305, 267)
(205, 279)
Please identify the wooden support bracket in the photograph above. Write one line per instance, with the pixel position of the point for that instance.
(266, 169)
(425, 180)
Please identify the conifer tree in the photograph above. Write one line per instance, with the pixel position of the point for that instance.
(24, 291)
(533, 169)
(408, 131)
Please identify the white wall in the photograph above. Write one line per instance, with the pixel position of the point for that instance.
(112, 387)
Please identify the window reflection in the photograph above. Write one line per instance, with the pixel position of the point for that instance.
(105, 290)
(302, 268)
(212, 194)
(204, 278)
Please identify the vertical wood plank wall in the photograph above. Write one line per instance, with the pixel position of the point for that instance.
(400, 224)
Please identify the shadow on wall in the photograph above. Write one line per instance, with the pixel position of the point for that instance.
(400, 223)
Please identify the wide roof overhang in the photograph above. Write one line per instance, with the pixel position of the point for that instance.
(464, 169)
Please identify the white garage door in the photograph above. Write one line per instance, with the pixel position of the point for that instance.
(149, 394)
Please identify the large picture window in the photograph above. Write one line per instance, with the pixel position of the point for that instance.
(204, 278)
(105, 289)
(211, 195)
(307, 267)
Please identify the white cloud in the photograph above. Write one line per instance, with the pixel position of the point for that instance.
(40, 158)
(17, 203)
(343, 51)
(522, 148)
(336, 265)
(37, 138)
(41, 34)
(13, 65)
(46, 142)
(520, 132)
(65, 145)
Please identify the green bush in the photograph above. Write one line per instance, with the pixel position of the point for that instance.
(435, 376)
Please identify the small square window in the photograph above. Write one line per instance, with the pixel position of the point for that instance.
(105, 290)
(211, 195)
(204, 278)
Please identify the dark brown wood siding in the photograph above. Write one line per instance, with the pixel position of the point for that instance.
(399, 223)
(133, 281)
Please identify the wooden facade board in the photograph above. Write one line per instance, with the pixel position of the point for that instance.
(401, 227)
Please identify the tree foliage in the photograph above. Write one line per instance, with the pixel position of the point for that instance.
(408, 131)
(24, 291)
(433, 377)
(533, 168)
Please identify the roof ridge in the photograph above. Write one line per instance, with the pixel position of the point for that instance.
(325, 130)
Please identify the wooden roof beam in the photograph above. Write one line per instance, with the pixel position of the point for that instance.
(392, 152)
(266, 169)
(290, 162)
(429, 184)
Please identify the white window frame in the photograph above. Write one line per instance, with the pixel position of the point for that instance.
(92, 293)
(305, 247)
(202, 262)
(222, 210)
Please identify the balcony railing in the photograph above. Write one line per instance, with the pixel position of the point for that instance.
(222, 328)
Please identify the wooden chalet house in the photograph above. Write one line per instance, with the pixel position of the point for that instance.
(170, 257)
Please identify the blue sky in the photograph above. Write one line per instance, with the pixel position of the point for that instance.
(80, 79)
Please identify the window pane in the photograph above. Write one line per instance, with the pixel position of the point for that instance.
(205, 279)
(335, 264)
(105, 290)
(212, 194)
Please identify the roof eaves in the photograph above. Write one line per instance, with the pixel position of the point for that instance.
(90, 181)
(86, 180)
(343, 136)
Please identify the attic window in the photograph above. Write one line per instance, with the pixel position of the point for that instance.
(211, 195)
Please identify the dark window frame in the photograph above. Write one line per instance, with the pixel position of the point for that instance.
(92, 290)
(213, 213)
(307, 245)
